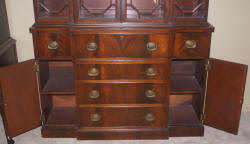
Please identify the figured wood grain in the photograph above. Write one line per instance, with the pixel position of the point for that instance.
(122, 71)
(20, 97)
(115, 117)
(201, 50)
(42, 39)
(127, 93)
(109, 46)
(225, 91)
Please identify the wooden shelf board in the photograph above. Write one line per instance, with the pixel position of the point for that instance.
(183, 116)
(59, 85)
(184, 84)
(62, 117)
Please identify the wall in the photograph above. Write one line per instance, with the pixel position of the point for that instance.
(231, 40)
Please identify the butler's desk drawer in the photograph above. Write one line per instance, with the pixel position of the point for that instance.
(122, 70)
(107, 46)
(122, 93)
(145, 116)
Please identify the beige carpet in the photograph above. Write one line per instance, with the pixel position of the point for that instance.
(212, 136)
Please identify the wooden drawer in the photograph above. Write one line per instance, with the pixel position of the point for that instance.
(52, 45)
(92, 46)
(192, 45)
(122, 93)
(123, 116)
(146, 71)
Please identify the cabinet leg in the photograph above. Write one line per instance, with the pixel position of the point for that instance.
(10, 140)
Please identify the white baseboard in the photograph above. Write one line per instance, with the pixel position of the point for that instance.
(246, 108)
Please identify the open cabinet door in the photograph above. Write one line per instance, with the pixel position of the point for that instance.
(19, 91)
(225, 91)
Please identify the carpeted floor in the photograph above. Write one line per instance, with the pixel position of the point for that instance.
(212, 136)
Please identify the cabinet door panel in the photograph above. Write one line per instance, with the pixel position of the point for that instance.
(20, 97)
(144, 10)
(225, 91)
(53, 11)
(190, 10)
(97, 10)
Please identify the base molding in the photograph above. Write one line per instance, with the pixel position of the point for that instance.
(122, 134)
(186, 131)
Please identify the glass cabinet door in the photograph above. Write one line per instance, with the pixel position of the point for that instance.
(96, 10)
(53, 11)
(136, 10)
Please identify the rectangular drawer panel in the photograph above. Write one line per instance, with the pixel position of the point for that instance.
(192, 45)
(104, 46)
(52, 45)
(122, 93)
(122, 71)
(119, 117)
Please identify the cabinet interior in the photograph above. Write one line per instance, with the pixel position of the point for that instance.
(57, 93)
(188, 80)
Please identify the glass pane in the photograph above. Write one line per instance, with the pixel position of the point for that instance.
(145, 9)
(188, 8)
(53, 8)
(98, 9)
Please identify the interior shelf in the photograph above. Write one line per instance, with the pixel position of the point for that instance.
(59, 85)
(183, 115)
(62, 117)
(184, 84)
(57, 78)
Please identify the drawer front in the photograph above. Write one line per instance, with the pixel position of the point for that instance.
(92, 46)
(117, 117)
(122, 93)
(122, 71)
(52, 45)
(192, 45)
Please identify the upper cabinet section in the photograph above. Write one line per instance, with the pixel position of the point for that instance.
(121, 11)
(53, 11)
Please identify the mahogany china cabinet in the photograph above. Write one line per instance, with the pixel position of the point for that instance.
(122, 69)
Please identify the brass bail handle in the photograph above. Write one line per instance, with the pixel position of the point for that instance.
(150, 94)
(190, 44)
(93, 72)
(151, 72)
(152, 46)
(95, 117)
(150, 117)
(91, 46)
(53, 45)
(94, 94)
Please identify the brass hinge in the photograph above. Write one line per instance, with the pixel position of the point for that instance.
(36, 67)
(208, 67)
(42, 118)
(202, 117)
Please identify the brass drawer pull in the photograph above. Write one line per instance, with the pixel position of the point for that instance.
(53, 45)
(94, 94)
(191, 44)
(95, 117)
(91, 46)
(150, 117)
(93, 72)
(151, 72)
(152, 46)
(150, 94)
